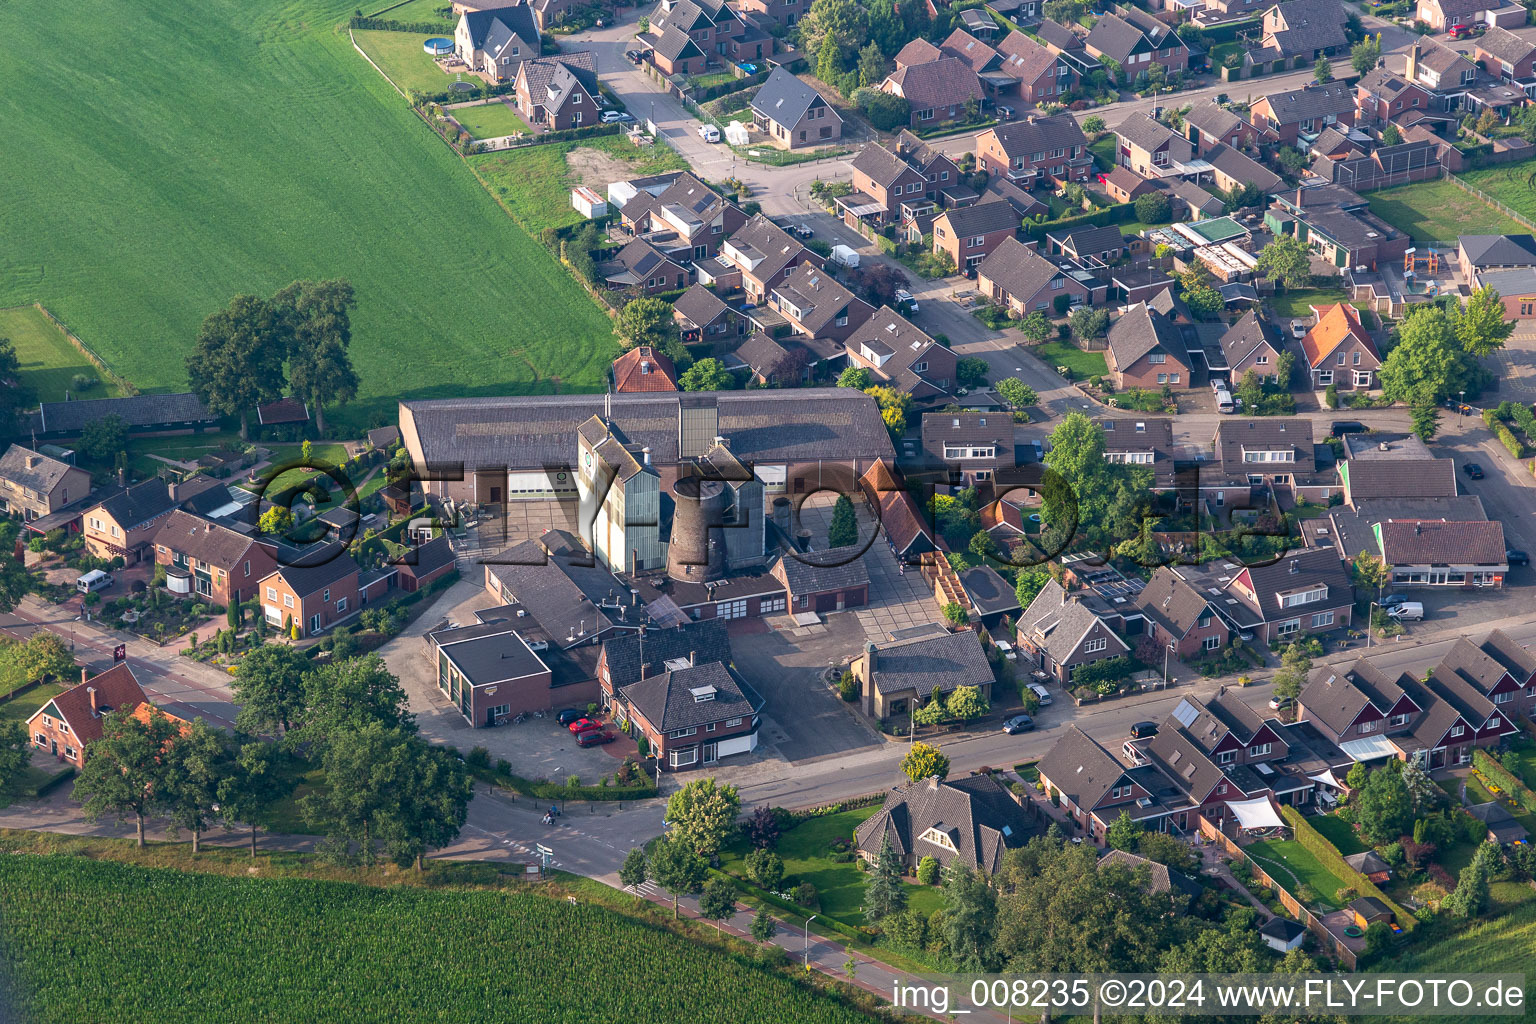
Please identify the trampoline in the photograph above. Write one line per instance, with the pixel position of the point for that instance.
(438, 46)
(463, 86)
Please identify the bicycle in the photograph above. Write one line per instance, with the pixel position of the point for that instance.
(520, 719)
(538, 714)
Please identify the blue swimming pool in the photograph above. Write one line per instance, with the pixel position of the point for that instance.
(438, 46)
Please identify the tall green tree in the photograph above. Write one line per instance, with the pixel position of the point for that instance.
(365, 769)
(632, 871)
(1286, 261)
(1383, 807)
(269, 687)
(1123, 833)
(1391, 135)
(353, 692)
(844, 528)
(885, 893)
(829, 61)
(1364, 55)
(43, 657)
(102, 439)
(1028, 583)
(1471, 895)
(717, 902)
(886, 30)
(765, 868)
(319, 361)
(856, 377)
(197, 767)
(432, 793)
(764, 927)
(704, 814)
(676, 868)
(1370, 572)
(1292, 674)
(970, 914)
(1016, 393)
(707, 375)
(15, 581)
(1481, 326)
(1429, 362)
(257, 781)
(871, 65)
(845, 21)
(924, 761)
(15, 751)
(1322, 71)
(126, 770)
(237, 361)
(646, 322)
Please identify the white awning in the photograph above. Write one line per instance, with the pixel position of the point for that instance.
(1258, 813)
(1327, 778)
(1369, 748)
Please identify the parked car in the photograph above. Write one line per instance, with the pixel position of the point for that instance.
(1392, 601)
(1279, 703)
(1342, 427)
(1224, 403)
(1514, 556)
(635, 57)
(570, 715)
(93, 580)
(584, 723)
(1299, 328)
(1408, 611)
(1018, 724)
(802, 231)
(1040, 691)
(617, 117)
(1141, 730)
(905, 298)
(1473, 470)
(709, 133)
(594, 737)
(1218, 384)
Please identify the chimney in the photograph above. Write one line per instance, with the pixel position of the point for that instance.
(174, 489)
(693, 657)
(869, 657)
(91, 691)
(122, 476)
(1413, 60)
(84, 674)
(645, 669)
(933, 783)
(33, 460)
(1295, 568)
(645, 454)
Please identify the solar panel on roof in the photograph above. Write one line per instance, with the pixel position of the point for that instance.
(1185, 713)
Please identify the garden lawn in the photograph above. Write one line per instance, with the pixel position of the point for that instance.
(1431, 211)
(241, 146)
(1340, 833)
(806, 851)
(1063, 353)
(140, 941)
(415, 10)
(489, 121)
(1295, 305)
(1510, 184)
(402, 58)
(535, 183)
(1286, 859)
(48, 361)
(22, 706)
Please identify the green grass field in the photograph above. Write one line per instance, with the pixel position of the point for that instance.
(149, 944)
(806, 851)
(1286, 859)
(48, 361)
(1297, 305)
(536, 182)
(1340, 833)
(1510, 184)
(417, 10)
(404, 61)
(1433, 211)
(1498, 943)
(490, 121)
(22, 706)
(1060, 353)
(241, 146)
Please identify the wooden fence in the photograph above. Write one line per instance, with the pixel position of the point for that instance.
(122, 383)
(1292, 905)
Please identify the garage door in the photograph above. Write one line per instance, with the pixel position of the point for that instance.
(737, 745)
(540, 486)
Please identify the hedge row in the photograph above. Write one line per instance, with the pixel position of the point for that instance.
(556, 791)
(427, 28)
(1500, 776)
(1227, 31)
(1328, 855)
(1121, 214)
(1504, 434)
(851, 804)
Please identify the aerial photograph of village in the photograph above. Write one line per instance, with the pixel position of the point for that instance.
(767, 511)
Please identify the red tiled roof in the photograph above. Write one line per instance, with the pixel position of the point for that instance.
(644, 369)
(116, 689)
(1335, 325)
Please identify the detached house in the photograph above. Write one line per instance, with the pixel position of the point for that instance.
(559, 92)
(972, 233)
(883, 183)
(495, 43)
(1208, 125)
(1506, 56)
(971, 822)
(1181, 617)
(34, 485)
(817, 306)
(793, 113)
(1041, 76)
(218, 563)
(758, 255)
(1298, 32)
(1061, 634)
(1025, 151)
(937, 91)
(1151, 148)
(900, 354)
(897, 675)
(691, 712)
(313, 596)
(643, 267)
(1019, 278)
(643, 368)
(1382, 96)
(1136, 41)
(687, 220)
(123, 525)
(702, 316)
(1252, 343)
(1340, 351)
(70, 722)
(1147, 350)
(1302, 114)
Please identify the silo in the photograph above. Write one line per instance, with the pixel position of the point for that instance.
(696, 553)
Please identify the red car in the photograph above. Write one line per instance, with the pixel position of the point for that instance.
(583, 724)
(593, 737)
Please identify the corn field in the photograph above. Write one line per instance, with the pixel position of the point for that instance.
(94, 941)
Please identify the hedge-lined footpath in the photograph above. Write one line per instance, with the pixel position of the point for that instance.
(1500, 776)
(1506, 436)
(1328, 855)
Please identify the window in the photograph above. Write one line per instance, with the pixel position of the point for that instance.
(341, 604)
(1356, 359)
(1162, 378)
(681, 733)
(1173, 378)
(1096, 645)
(247, 567)
(576, 97)
(1457, 730)
(1503, 698)
(1226, 757)
(287, 600)
(842, 321)
(682, 758)
(1288, 627)
(69, 752)
(1322, 619)
(1304, 597)
(1366, 728)
(731, 723)
(326, 596)
(42, 740)
(1397, 720)
(271, 593)
(1258, 750)
(1157, 358)
(710, 727)
(1212, 642)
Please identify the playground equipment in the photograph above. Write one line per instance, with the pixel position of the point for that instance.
(1430, 259)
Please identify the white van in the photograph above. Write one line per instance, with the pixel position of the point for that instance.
(846, 255)
(1410, 611)
(1224, 400)
(709, 133)
(93, 580)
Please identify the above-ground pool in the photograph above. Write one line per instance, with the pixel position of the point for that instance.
(438, 46)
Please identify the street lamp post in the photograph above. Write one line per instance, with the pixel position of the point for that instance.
(806, 954)
(1461, 406)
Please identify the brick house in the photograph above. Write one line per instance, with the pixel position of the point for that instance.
(703, 318)
(559, 91)
(1209, 125)
(1339, 350)
(1147, 350)
(221, 564)
(692, 715)
(971, 821)
(1043, 77)
(1182, 616)
(644, 268)
(762, 254)
(674, 53)
(421, 566)
(627, 658)
(1298, 32)
(1019, 278)
(495, 43)
(1300, 593)
(972, 446)
(1053, 148)
(937, 91)
(896, 675)
(1506, 56)
(1517, 290)
(830, 580)
(490, 672)
(67, 725)
(817, 306)
(686, 221)
(1136, 42)
(316, 595)
(795, 114)
(643, 368)
(972, 233)
(1519, 663)
(1285, 117)
(1151, 148)
(1381, 96)
(124, 524)
(1062, 634)
(1252, 343)
(898, 353)
(880, 181)
(33, 485)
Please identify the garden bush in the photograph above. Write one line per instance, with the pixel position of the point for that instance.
(1500, 776)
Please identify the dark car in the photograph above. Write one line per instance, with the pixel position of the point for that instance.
(1018, 724)
(1392, 601)
(634, 56)
(1342, 427)
(1514, 556)
(594, 737)
(570, 715)
(1472, 470)
(583, 724)
(1141, 730)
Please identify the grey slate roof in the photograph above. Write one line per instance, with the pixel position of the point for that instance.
(1212, 120)
(1332, 698)
(700, 305)
(1505, 45)
(1242, 167)
(1432, 542)
(979, 55)
(1172, 602)
(488, 652)
(943, 660)
(948, 81)
(1274, 433)
(1114, 37)
(1058, 35)
(762, 354)
(321, 567)
(784, 98)
(1030, 136)
(1310, 101)
(533, 431)
(493, 30)
(1499, 250)
(1162, 878)
(1309, 25)
(888, 331)
(1090, 241)
(1401, 478)
(982, 218)
(1058, 624)
(1473, 664)
(546, 585)
(976, 814)
(42, 477)
(675, 44)
(1018, 269)
(707, 639)
(1519, 661)
(1248, 335)
(823, 571)
(1023, 58)
(1080, 769)
(1143, 131)
(882, 166)
(1142, 330)
(669, 703)
(990, 594)
(763, 238)
(818, 295)
(203, 539)
(139, 504)
(1299, 570)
